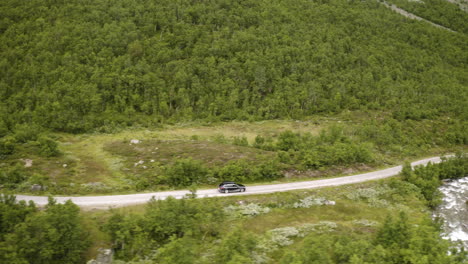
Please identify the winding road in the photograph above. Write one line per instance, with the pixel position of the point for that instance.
(104, 202)
(412, 16)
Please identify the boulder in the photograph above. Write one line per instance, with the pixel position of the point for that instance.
(27, 162)
(104, 256)
(36, 188)
(135, 141)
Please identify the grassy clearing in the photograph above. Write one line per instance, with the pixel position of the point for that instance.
(247, 129)
(106, 163)
(167, 151)
(108, 159)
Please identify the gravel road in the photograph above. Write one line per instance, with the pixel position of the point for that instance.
(104, 202)
(412, 16)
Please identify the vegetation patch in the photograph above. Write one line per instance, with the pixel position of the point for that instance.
(168, 151)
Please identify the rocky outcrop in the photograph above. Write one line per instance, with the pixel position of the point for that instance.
(38, 188)
(27, 162)
(104, 257)
(135, 141)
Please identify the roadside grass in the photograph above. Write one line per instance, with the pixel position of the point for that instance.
(343, 212)
(89, 158)
(109, 159)
(346, 213)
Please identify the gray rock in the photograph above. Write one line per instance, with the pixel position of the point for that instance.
(27, 162)
(105, 256)
(36, 188)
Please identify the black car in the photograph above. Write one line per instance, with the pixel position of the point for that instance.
(227, 186)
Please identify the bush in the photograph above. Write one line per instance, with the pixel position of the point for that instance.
(251, 209)
(288, 140)
(268, 170)
(237, 170)
(7, 145)
(240, 141)
(25, 133)
(185, 172)
(48, 147)
(3, 129)
(243, 171)
(10, 178)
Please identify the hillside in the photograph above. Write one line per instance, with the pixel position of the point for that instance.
(78, 65)
(371, 88)
(128, 96)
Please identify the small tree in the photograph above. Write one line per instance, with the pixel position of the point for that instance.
(185, 172)
(48, 147)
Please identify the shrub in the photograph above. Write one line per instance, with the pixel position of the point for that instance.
(371, 196)
(243, 171)
(7, 145)
(288, 140)
(3, 129)
(309, 202)
(237, 170)
(268, 170)
(240, 141)
(259, 141)
(48, 147)
(185, 172)
(13, 176)
(25, 133)
(251, 209)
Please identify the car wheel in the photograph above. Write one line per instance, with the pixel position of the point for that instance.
(226, 191)
(243, 190)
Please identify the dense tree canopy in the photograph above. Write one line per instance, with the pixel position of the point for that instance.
(27, 235)
(77, 65)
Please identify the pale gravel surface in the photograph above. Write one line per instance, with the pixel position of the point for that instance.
(412, 16)
(462, 4)
(103, 202)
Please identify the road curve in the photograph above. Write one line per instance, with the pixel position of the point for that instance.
(104, 202)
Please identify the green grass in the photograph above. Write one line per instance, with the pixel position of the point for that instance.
(167, 151)
(344, 213)
(110, 158)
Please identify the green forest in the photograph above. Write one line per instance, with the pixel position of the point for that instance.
(255, 92)
(81, 65)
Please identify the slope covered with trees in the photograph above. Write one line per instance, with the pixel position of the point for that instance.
(78, 65)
